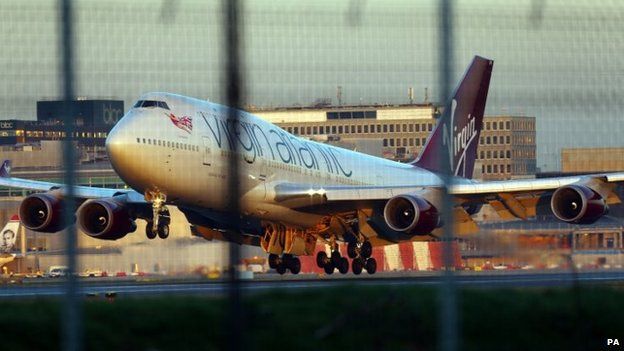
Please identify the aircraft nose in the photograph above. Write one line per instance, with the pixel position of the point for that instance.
(115, 143)
(121, 144)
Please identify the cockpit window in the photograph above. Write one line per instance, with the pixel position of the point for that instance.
(151, 103)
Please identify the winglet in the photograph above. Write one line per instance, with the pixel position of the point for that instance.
(459, 127)
(5, 170)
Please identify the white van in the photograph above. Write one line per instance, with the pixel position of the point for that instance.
(58, 271)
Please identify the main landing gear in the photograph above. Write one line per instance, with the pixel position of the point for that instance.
(285, 262)
(359, 252)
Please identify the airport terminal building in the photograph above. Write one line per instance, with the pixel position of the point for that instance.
(507, 147)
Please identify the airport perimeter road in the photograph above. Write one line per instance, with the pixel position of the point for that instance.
(266, 284)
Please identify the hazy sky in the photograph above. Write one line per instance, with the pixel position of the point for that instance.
(559, 62)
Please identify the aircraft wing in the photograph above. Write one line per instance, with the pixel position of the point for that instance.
(514, 198)
(83, 192)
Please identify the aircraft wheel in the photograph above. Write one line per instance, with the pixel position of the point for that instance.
(294, 265)
(351, 249)
(163, 231)
(273, 261)
(344, 265)
(335, 258)
(329, 268)
(371, 265)
(321, 259)
(149, 232)
(356, 266)
(281, 269)
(367, 249)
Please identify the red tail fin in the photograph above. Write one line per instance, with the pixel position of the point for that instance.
(459, 127)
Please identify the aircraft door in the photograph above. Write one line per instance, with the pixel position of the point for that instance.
(206, 152)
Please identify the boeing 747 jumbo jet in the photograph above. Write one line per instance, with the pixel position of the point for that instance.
(174, 151)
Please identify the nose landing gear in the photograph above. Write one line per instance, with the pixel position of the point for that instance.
(159, 224)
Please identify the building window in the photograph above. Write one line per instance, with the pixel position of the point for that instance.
(508, 125)
(411, 128)
(423, 127)
(424, 140)
(352, 129)
(489, 168)
(315, 130)
(487, 125)
(392, 128)
(359, 129)
(430, 126)
(417, 127)
(494, 125)
(417, 141)
(500, 125)
(508, 168)
(379, 128)
(391, 142)
(482, 156)
(487, 140)
(404, 141)
(366, 129)
(508, 153)
(308, 130)
(385, 128)
(385, 142)
(411, 142)
(482, 168)
(494, 139)
(508, 139)
(489, 154)
(495, 168)
(405, 128)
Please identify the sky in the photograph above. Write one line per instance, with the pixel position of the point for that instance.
(559, 61)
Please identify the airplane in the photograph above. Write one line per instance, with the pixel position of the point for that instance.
(174, 151)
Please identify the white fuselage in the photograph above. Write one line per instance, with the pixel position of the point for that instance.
(186, 157)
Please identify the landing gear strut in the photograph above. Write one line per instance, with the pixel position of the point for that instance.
(159, 224)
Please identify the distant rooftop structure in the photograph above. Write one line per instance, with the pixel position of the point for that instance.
(347, 112)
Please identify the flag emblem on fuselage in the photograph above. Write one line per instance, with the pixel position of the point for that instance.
(185, 122)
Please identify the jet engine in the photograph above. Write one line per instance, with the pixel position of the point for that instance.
(578, 204)
(411, 214)
(42, 212)
(105, 219)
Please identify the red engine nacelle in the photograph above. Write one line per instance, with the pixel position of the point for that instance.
(578, 204)
(105, 219)
(411, 214)
(42, 212)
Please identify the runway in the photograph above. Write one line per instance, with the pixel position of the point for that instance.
(269, 283)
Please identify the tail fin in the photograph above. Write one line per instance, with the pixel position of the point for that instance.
(460, 125)
(5, 169)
